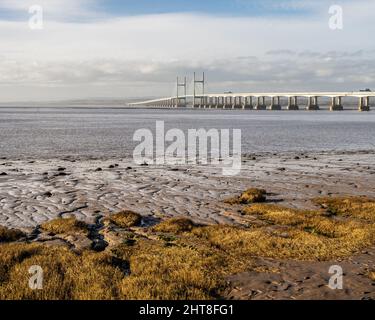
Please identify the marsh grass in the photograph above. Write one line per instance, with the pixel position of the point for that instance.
(9, 235)
(296, 234)
(354, 207)
(125, 219)
(65, 226)
(175, 225)
(252, 195)
(194, 261)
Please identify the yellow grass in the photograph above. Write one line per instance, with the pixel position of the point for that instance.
(355, 207)
(297, 234)
(125, 219)
(65, 226)
(252, 195)
(8, 235)
(175, 225)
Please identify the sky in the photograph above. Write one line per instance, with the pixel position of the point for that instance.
(112, 49)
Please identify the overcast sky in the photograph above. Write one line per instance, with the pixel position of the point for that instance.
(121, 49)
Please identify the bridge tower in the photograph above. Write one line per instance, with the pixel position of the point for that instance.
(200, 97)
(180, 99)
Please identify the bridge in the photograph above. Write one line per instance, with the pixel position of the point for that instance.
(257, 100)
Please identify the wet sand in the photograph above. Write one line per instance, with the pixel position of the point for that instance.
(34, 191)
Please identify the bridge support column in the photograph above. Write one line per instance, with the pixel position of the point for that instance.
(237, 103)
(261, 105)
(275, 103)
(218, 102)
(293, 103)
(248, 103)
(313, 104)
(364, 104)
(336, 104)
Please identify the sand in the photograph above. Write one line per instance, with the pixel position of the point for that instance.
(34, 191)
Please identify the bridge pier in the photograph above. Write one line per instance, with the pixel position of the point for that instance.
(228, 103)
(237, 103)
(336, 104)
(313, 104)
(364, 104)
(275, 105)
(293, 103)
(261, 105)
(248, 103)
(220, 102)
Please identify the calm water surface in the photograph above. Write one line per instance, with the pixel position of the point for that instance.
(51, 132)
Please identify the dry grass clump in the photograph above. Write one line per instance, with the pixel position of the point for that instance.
(175, 225)
(355, 207)
(293, 234)
(252, 195)
(66, 275)
(156, 272)
(65, 226)
(177, 272)
(9, 235)
(126, 219)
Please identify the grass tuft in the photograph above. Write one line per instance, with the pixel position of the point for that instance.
(126, 219)
(252, 195)
(175, 225)
(9, 235)
(65, 226)
(355, 207)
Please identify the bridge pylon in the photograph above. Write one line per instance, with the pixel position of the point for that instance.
(180, 99)
(201, 97)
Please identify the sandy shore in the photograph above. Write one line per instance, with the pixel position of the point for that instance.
(34, 191)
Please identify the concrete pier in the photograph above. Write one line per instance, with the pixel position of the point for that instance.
(248, 103)
(336, 104)
(293, 103)
(275, 103)
(237, 103)
(364, 104)
(312, 104)
(261, 103)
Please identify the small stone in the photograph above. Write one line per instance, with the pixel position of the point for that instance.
(98, 169)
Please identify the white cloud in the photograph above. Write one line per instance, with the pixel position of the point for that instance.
(140, 55)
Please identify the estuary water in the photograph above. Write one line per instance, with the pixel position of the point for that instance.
(104, 132)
